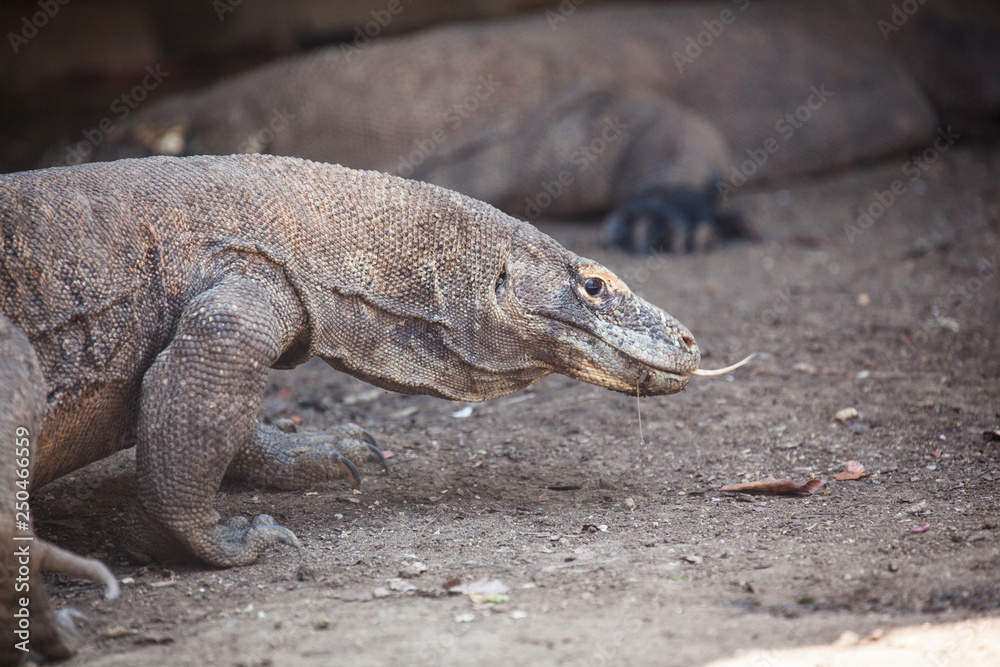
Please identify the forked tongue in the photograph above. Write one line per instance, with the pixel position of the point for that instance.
(722, 371)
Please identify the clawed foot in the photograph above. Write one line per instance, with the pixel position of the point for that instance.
(229, 543)
(289, 461)
(261, 533)
(175, 530)
(352, 445)
(676, 220)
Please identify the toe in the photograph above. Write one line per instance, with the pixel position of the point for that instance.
(265, 524)
(238, 523)
(349, 470)
(375, 455)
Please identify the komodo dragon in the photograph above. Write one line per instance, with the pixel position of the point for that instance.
(642, 109)
(158, 292)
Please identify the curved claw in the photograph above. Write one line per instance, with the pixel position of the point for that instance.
(295, 461)
(355, 443)
(375, 455)
(365, 436)
(66, 618)
(291, 540)
(352, 470)
(344, 432)
(355, 432)
(277, 531)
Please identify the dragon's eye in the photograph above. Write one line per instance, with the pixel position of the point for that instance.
(501, 281)
(594, 287)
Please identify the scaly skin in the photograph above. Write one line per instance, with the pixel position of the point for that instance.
(23, 556)
(157, 293)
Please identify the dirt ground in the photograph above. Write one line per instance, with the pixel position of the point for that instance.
(614, 543)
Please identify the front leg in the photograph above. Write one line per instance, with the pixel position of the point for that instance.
(198, 407)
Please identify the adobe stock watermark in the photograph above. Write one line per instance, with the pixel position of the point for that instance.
(786, 127)
(364, 34)
(901, 13)
(581, 158)
(565, 9)
(450, 121)
(606, 650)
(259, 141)
(122, 108)
(882, 200)
(223, 7)
(30, 25)
(23, 536)
(766, 319)
(695, 45)
(958, 298)
(435, 649)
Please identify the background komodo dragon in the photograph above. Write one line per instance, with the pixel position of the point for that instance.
(158, 292)
(647, 109)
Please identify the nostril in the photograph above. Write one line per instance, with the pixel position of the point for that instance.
(688, 339)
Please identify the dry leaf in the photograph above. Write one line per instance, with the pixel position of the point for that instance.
(778, 486)
(115, 632)
(854, 470)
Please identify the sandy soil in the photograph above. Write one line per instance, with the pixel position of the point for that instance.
(620, 549)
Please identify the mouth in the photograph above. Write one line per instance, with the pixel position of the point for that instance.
(681, 363)
(655, 381)
(635, 377)
(649, 369)
(663, 370)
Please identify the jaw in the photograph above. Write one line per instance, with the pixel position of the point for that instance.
(582, 355)
(618, 372)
